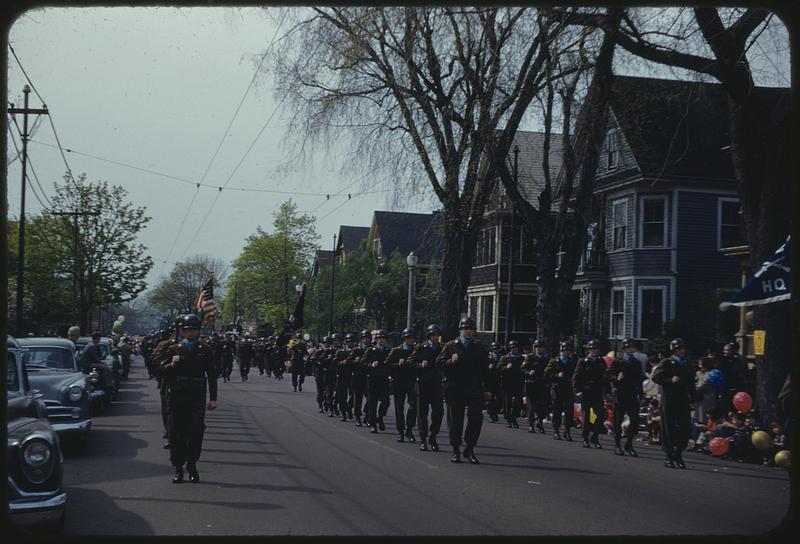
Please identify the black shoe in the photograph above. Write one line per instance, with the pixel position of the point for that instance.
(178, 478)
(630, 450)
(669, 464)
(344, 418)
(556, 435)
(679, 462)
(330, 414)
(596, 443)
(515, 424)
(567, 436)
(531, 430)
(540, 428)
(410, 436)
(194, 477)
(358, 421)
(434, 445)
(165, 445)
(423, 446)
(320, 410)
(456, 457)
(509, 425)
(299, 387)
(381, 426)
(374, 429)
(586, 443)
(470, 455)
(295, 389)
(401, 438)
(618, 450)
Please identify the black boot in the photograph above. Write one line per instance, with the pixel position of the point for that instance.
(423, 446)
(515, 424)
(456, 457)
(618, 448)
(531, 429)
(434, 445)
(509, 425)
(586, 442)
(410, 436)
(540, 427)
(358, 421)
(596, 442)
(556, 435)
(567, 436)
(299, 387)
(178, 478)
(194, 477)
(679, 461)
(629, 448)
(401, 438)
(381, 425)
(470, 455)
(669, 463)
(373, 429)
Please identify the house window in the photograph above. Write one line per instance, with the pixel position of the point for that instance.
(473, 308)
(654, 222)
(486, 322)
(612, 149)
(619, 211)
(485, 248)
(730, 226)
(618, 313)
(523, 310)
(652, 306)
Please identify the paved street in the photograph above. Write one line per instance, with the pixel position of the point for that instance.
(272, 465)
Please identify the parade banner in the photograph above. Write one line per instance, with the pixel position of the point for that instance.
(769, 284)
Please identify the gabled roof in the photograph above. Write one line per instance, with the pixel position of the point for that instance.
(350, 238)
(407, 232)
(531, 152)
(679, 128)
(322, 258)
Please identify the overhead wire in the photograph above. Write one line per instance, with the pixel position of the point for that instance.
(46, 207)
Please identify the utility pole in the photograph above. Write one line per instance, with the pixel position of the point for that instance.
(21, 264)
(333, 278)
(510, 293)
(77, 291)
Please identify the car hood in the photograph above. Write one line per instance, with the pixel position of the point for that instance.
(21, 410)
(51, 383)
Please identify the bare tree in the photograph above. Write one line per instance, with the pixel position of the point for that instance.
(177, 292)
(420, 87)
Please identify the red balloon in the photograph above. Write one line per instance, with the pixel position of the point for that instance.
(743, 402)
(718, 446)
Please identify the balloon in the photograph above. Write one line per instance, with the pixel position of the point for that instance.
(716, 378)
(608, 360)
(742, 401)
(783, 459)
(306, 337)
(718, 446)
(121, 319)
(761, 440)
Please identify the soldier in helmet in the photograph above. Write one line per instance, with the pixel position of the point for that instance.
(429, 387)
(320, 365)
(464, 360)
(245, 352)
(511, 383)
(625, 376)
(228, 348)
(298, 353)
(344, 375)
(165, 340)
(403, 380)
(493, 382)
(331, 376)
(187, 367)
(358, 382)
(377, 381)
(536, 386)
(559, 371)
(676, 378)
(588, 381)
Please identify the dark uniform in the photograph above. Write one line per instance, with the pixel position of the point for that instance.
(589, 380)
(216, 352)
(537, 388)
(377, 384)
(403, 378)
(559, 371)
(125, 352)
(331, 377)
(511, 385)
(626, 393)
(246, 353)
(358, 381)
(157, 355)
(298, 353)
(228, 351)
(676, 399)
(494, 403)
(344, 376)
(465, 368)
(320, 365)
(260, 355)
(429, 390)
(188, 370)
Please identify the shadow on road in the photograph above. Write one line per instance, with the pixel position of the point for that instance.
(270, 487)
(255, 464)
(93, 512)
(234, 505)
(546, 468)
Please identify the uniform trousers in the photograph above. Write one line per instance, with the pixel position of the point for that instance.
(593, 401)
(430, 399)
(187, 425)
(458, 402)
(626, 404)
(562, 404)
(378, 392)
(405, 419)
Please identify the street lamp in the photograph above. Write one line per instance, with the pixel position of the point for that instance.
(411, 261)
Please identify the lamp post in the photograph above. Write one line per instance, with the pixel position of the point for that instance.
(411, 261)
(333, 279)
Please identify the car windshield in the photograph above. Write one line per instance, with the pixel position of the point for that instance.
(12, 378)
(50, 357)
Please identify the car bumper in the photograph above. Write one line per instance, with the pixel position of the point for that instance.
(30, 512)
(72, 426)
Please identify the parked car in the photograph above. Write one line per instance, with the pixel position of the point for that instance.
(67, 393)
(100, 374)
(34, 463)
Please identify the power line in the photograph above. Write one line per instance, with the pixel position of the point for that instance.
(35, 177)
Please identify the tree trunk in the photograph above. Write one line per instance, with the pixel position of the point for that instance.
(459, 250)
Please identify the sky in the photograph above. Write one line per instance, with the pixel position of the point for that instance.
(155, 88)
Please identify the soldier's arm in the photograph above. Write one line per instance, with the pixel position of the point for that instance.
(211, 376)
(550, 369)
(577, 376)
(661, 375)
(444, 355)
(393, 359)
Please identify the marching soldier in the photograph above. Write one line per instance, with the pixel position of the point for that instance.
(403, 380)
(187, 367)
(536, 386)
(377, 381)
(559, 371)
(625, 375)
(298, 354)
(245, 353)
(676, 378)
(493, 382)
(216, 349)
(464, 361)
(260, 354)
(331, 374)
(320, 370)
(280, 356)
(162, 385)
(358, 382)
(429, 387)
(588, 382)
(228, 351)
(511, 383)
(344, 375)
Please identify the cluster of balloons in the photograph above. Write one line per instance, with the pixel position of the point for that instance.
(118, 326)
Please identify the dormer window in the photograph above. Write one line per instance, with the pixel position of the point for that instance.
(612, 149)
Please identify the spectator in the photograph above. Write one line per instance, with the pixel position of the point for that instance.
(654, 423)
(706, 393)
(116, 366)
(91, 353)
(706, 430)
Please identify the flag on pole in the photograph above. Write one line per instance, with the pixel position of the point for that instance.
(295, 320)
(769, 284)
(205, 303)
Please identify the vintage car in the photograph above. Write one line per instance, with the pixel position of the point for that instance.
(100, 374)
(34, 463)
(54, 371)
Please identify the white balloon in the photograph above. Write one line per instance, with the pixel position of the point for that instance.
(306, 337)
(121, 319)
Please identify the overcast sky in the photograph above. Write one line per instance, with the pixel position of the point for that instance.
(155, 88)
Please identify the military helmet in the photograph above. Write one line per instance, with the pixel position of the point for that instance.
(178, 320)
(467, 323)
(566, 345)
(513, 344)
(350, 337)
(593, 344)
(628, 342)
(336, 336)
(380, 333)
(433, 329)
(539, 344)
(494, 346)
(408, 332)
(366, 332)
(326, 339)
(190, 322)
(677, 343)
(298, 335)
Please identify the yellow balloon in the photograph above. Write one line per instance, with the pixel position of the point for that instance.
(761, 440)
(783, 459)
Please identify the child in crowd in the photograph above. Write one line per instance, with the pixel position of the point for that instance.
(654, 423)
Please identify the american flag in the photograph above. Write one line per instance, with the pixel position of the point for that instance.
(205, 302)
